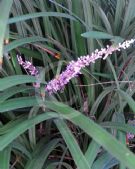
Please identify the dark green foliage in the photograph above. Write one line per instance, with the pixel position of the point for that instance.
(83, 126)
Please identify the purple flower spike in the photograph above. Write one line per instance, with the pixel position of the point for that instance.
(27, 66)
(74, 67)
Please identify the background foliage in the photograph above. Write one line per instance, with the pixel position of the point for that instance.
(85, 125)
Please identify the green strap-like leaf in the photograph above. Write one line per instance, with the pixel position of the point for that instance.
(105, 161)
(128, 99)
(19, 42)
(92, 152)
(72, 144)
(17, 103)
(96, 35)
(38, 159)
(5, 158)
(11, 81)
(39, 14)
(14, 90)
(101, 136)
(5, 6)
(119, 126)
(15, 131)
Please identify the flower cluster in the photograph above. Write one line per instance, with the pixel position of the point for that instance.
(74, 67)
(28, 66)
(130, 136)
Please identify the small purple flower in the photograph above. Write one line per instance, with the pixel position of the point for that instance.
(27, 66)
(130, 136)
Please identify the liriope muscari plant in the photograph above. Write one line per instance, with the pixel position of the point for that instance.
(73, 69)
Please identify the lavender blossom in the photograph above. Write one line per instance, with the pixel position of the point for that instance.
(27, 66)
(31, 69)
(130, 136)
(74, 67)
